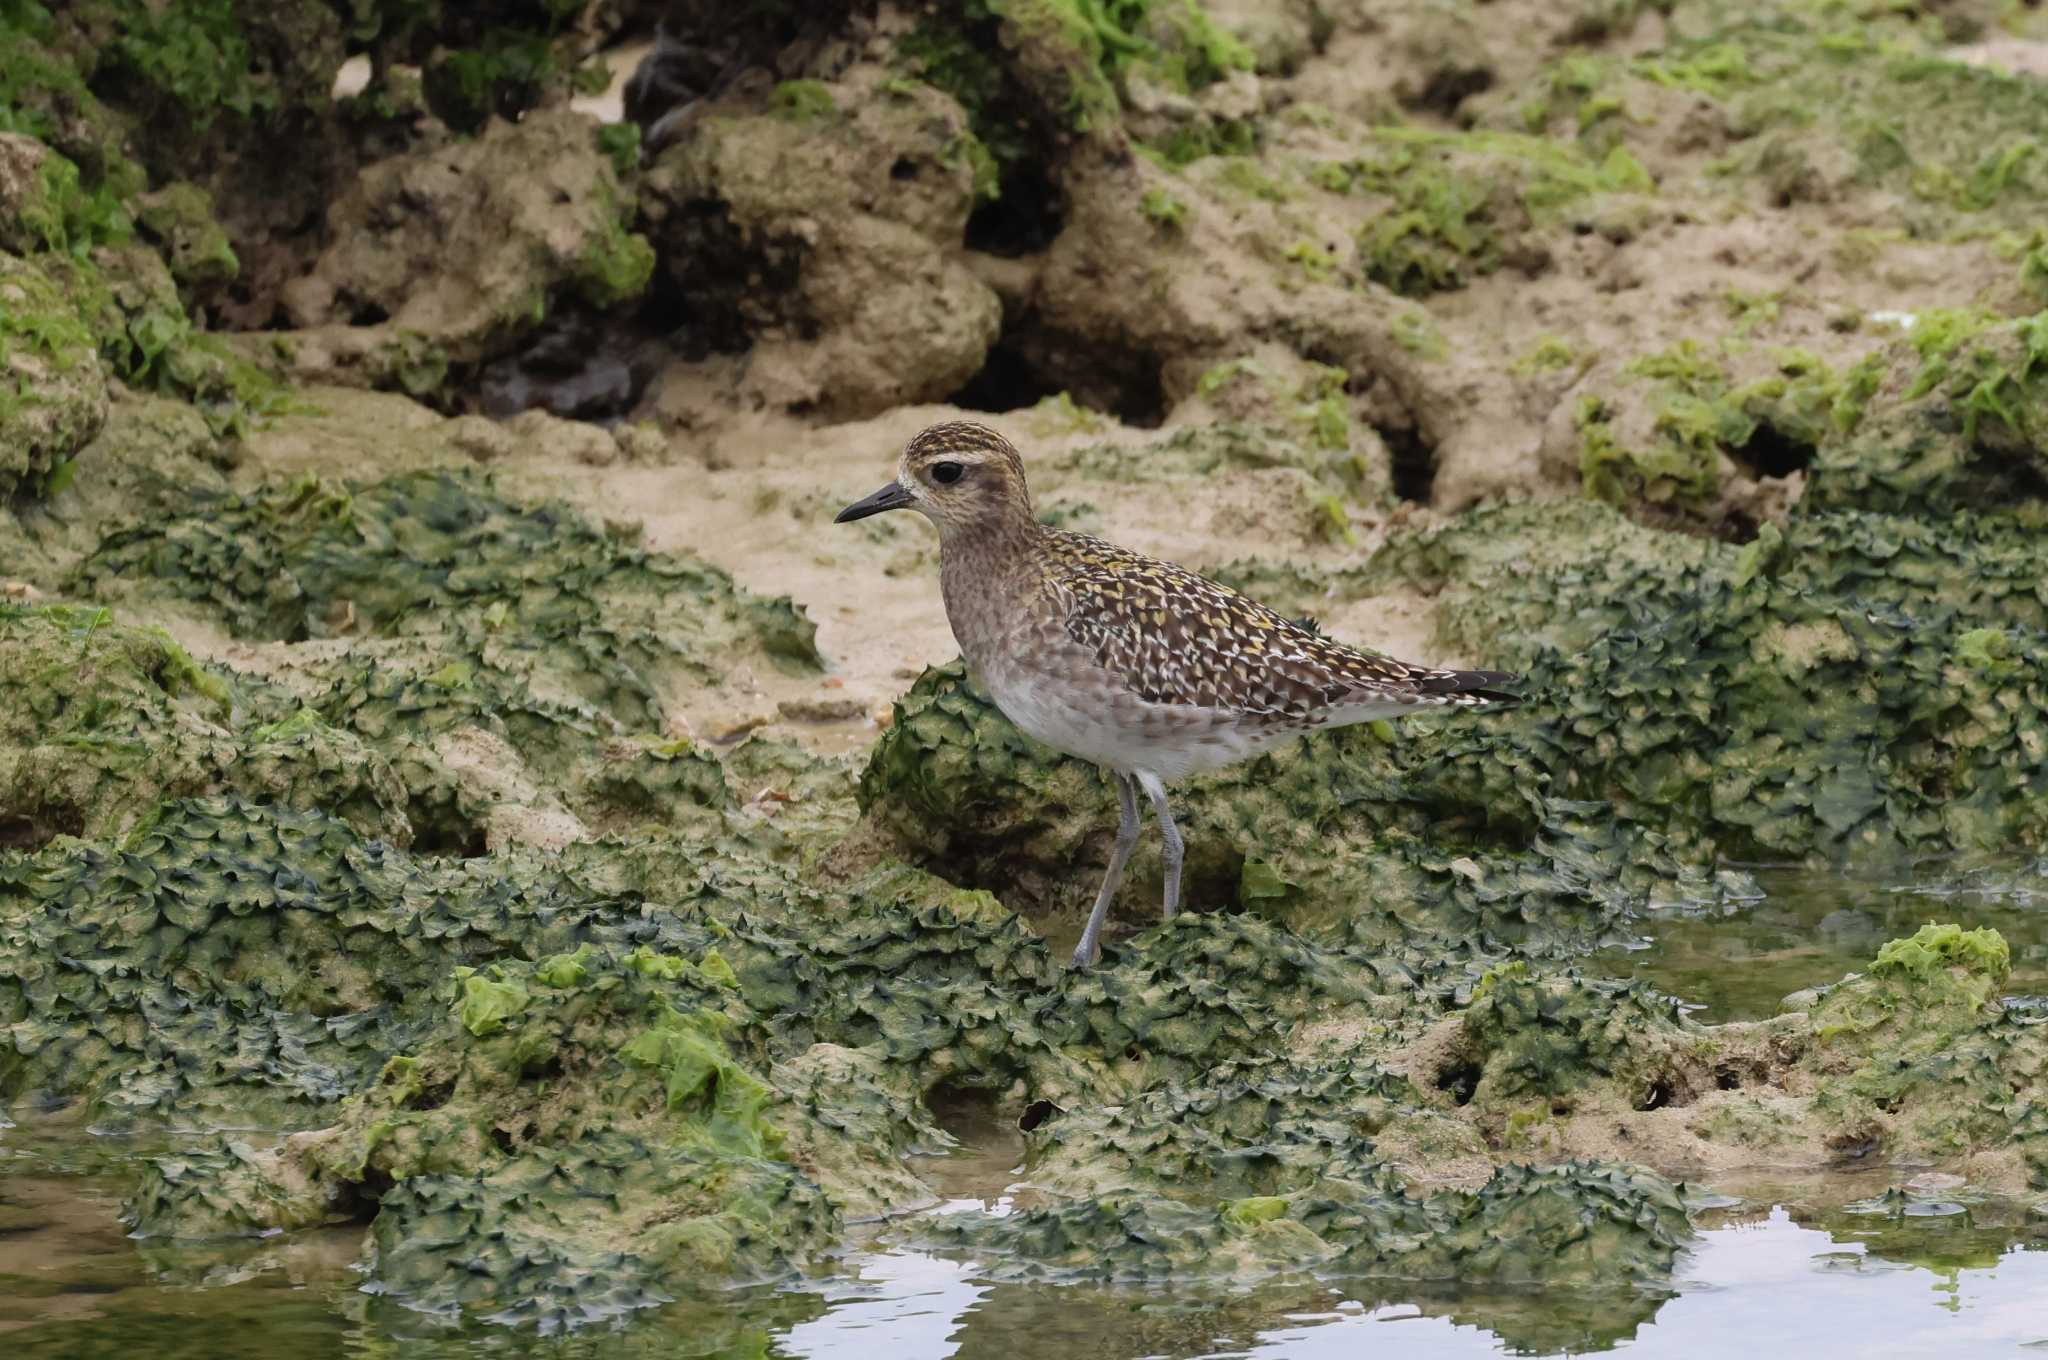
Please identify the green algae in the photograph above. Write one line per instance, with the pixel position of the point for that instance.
(1802, 704)
(1948, 420)
(1659, 443)
(53, 396)
(1459, 204)
(106, 719)
(180, 217)
(442, 556)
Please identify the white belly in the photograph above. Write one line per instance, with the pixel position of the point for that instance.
(1125, 733)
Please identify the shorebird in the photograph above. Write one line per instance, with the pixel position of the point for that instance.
(1148, 670)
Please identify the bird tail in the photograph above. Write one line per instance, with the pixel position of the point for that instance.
(1473, 687)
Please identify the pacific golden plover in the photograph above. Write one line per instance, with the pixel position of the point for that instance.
(1150, 671)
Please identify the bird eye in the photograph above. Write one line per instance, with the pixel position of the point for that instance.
(946, 473)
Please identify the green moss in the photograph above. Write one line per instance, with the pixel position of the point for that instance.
(1457, 201)
(489, 1003)
(1415, 332)
(1550, 354)
(197, 54)
(1661, 444)
(108, 719)
(620, 142)
(63, 216)
(803, 101)
(505, 72)
(986, 172)
(1318, 264)
(1242, 173)
(1950, 416)
(615, 267)
(180, 218)
(1254, 1210)
(53, 396)
(1166, 211)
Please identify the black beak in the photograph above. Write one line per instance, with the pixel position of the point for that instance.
(890, 497)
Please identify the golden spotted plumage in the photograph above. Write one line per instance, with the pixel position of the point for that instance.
(1175, 637)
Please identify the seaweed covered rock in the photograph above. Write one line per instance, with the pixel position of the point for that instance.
(53, 392)
(826, 232)
(488, 636)
(103, 721)
(154, 456)
(1842, 686)
(1451, 850)
(469, 246)
(1952, 420)
(1919, 1055)
(653, 1164)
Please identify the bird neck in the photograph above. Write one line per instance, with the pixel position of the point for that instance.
(984, 565)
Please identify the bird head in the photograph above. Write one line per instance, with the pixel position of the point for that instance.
(958, 475)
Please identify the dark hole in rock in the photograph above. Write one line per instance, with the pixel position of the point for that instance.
(1770, 452)
(904, 168)
(358, 1201)
(1005, 382)
(36, 829)
(967, 1112)
(1036, 1113)
(1656, 1098)
(1727, 1079)
(1460, 1079)
(1451, 86)
(431, 1097)
(1023, 218)
(1025, 366)
(368, 314)
(1736, 527)
(19, 832)
(441, 837)
(581, 365)
(1414, 460)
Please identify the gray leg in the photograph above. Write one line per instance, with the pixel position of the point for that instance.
(1170, 854)
(1126, 837)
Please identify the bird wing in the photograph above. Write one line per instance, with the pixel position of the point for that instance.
(1174, 637)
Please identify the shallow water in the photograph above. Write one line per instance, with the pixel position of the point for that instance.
(1864, 1264)
(1833, 1266)
(1738, 961)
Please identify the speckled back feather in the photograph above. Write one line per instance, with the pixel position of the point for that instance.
(1175, 637)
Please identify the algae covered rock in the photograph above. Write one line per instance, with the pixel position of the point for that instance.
(103, 720)
(514, 663)
(1952, 421)
(470, 245)
(1756, 700)
(53, 392)
(1920, 1055)
(652, 1165)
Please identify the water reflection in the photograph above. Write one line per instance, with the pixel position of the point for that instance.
(1866, 1265)
(1737, 962)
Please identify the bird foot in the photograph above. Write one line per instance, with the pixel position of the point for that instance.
(1085, 956)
